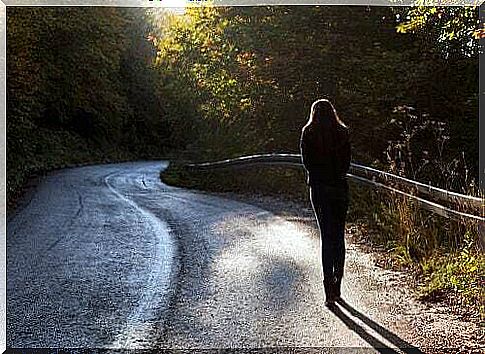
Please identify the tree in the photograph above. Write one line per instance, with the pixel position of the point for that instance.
(249, 76)
(80, 88)
(454, 30)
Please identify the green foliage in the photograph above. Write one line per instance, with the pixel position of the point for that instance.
(460, 272)
(80, 88)
(241, 80)
(453, 30)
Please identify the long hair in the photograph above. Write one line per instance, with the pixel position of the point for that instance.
(326, 126)
(322, 112)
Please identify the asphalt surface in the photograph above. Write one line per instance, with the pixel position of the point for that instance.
(109, 257)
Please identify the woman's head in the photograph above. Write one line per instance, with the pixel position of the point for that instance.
(323, 112)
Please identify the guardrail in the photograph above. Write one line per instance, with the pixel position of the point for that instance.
(362, 174)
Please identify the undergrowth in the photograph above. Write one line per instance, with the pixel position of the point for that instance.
(444, 254)
(48, 150)
(459, 272)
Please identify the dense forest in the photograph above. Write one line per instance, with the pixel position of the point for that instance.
(252, 73)
(81, 88)
(102, 84)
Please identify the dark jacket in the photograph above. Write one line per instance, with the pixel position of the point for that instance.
(326, 162)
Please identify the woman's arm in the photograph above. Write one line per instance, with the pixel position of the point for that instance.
(304, 149)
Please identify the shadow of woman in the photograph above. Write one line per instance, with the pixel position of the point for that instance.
(373, 341)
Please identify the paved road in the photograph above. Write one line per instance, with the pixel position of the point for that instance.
(108, 256)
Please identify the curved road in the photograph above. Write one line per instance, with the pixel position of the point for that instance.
(109, 257)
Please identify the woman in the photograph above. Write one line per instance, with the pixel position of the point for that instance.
(325, 151)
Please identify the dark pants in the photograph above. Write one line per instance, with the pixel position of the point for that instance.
(330, 205)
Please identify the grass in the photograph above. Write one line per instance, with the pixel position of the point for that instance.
(459, 273)
(444, 255)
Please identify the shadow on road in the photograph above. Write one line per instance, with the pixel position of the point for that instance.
(376, 343)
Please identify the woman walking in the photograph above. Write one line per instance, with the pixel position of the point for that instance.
(325, 151)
